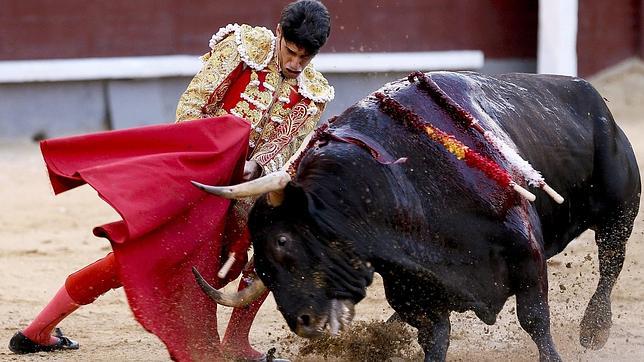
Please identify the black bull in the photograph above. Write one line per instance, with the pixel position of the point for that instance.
(443, 235)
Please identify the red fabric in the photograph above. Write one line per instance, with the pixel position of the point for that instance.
(221, 90)
(235, 341)
(236, 88)
(94, 280)
(168, 225)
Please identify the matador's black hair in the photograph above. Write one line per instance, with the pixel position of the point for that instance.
(306, 23)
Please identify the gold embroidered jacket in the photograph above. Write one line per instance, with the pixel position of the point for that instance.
(240, 76)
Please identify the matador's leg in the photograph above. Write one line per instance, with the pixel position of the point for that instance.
(236, 342)
(80, 288)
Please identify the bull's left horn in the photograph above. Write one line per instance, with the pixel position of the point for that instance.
(240, 299)
(272, 182)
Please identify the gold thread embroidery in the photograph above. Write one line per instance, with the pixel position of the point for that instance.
(272, 77)
(214, 103)
(221, 62)
(255, 45)
(263, 97)
(243, 109)
(279, 110)
(314, 86)
(220, 112)
(282, 134)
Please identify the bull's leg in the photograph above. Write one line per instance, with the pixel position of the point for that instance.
(611, 237)
(433, 336)
(532, 308)
(421, 312)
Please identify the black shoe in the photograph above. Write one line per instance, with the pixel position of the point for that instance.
(21, 344)
(270, 356)
(266, 357)
(263, 358)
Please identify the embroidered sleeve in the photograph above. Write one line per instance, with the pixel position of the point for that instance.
(218, 65)
(314, 111)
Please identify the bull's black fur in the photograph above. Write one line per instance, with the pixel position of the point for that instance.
(443, 236)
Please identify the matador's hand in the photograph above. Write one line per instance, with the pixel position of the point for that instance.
(252, 170)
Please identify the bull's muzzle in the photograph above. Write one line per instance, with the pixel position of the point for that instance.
(336, 318)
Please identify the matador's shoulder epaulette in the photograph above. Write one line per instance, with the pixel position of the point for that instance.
(314, 86)
(254, 44)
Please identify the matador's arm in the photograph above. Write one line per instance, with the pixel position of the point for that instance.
(211, 81)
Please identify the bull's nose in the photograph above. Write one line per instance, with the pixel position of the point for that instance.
(308, 326)
(304, 320)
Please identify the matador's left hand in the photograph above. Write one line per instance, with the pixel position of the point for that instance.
(252, 170)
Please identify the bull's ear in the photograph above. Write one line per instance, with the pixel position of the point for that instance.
(295, 196)
(304, 202)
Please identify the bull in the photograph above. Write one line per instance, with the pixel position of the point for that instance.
(373, 194)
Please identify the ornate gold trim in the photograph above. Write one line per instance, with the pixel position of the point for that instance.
(255, 45)
(283, 133)
(314, 86)
(221, 34)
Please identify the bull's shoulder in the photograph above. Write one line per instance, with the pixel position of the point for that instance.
(554, 83)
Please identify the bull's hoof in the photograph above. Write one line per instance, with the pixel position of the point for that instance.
(594, 339)
(553, 356)
(595, 326)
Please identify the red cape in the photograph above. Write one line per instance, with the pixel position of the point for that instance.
(168, 225)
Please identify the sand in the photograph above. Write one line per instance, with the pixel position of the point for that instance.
(44, 238)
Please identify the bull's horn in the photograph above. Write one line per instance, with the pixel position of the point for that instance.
(275, 198)
(240, 299)
(272, 182)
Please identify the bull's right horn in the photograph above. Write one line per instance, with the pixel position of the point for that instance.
(240, 299)
(274, 181)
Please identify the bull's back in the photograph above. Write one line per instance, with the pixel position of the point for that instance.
(561, 125)
(552, 121)
(577, 146)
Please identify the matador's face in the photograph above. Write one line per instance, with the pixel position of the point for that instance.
(292, 58)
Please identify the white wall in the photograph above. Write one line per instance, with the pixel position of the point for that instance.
(557, 52)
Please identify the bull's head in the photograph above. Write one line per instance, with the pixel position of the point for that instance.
(316, 277)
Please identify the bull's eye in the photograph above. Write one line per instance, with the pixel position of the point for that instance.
(282, 240)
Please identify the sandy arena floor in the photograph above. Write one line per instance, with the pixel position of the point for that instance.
(44, 238)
